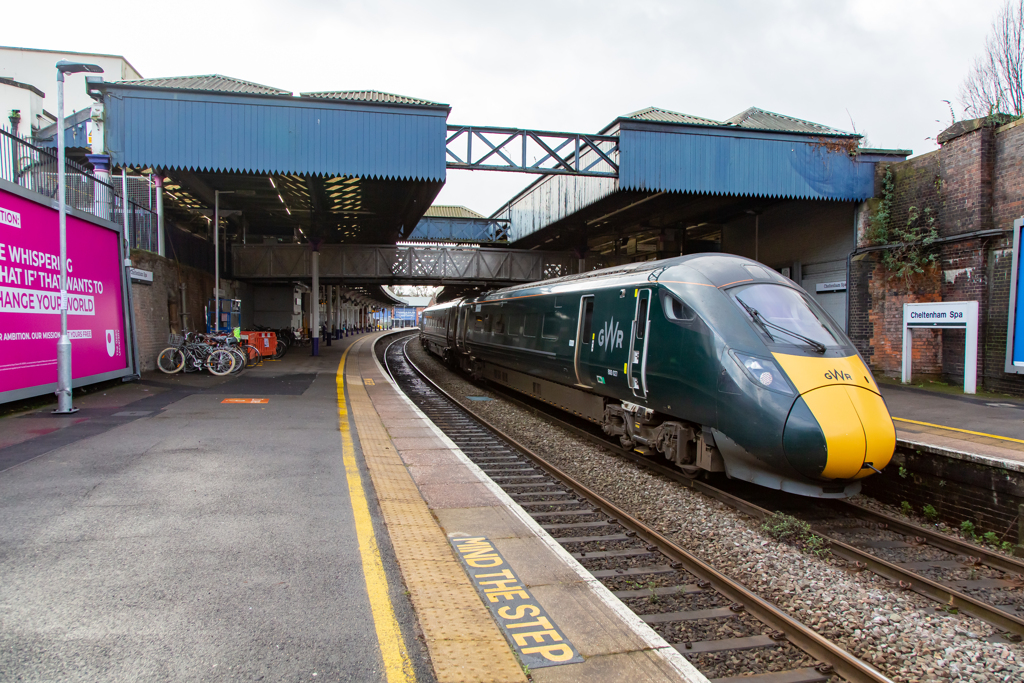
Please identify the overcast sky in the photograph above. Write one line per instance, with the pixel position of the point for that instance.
(883, 66)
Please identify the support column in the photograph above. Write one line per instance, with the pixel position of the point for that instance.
(159, 182)
(101, 203)
(314, 303)
(329, 318)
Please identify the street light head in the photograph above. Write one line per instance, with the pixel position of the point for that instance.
(66, 67)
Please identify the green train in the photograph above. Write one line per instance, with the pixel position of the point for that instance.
(713, 361)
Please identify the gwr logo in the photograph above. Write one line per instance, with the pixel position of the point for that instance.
(610, 336)
(838, 374)
(11, 218)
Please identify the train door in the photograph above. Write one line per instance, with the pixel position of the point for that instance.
(637, 364)
(460, 332)
(584, 337)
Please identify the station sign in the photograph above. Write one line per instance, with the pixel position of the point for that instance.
(835, 286)
(943, 315)
(139, 275)
(30, 296)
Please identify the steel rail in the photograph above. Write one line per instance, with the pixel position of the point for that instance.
(904, 578)
(842, 662)
(947, 543)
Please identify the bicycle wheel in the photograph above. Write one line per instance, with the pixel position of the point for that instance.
(280, 349)
(240, 359)
(253, 357)
(170, 360)
(220, 362)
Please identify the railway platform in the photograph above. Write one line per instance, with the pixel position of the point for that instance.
(988, 431)
(302, 520)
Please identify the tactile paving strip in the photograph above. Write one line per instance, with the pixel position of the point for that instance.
(462, 638)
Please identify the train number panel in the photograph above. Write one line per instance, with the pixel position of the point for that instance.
(713, 361)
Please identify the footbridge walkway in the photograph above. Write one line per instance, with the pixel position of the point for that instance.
(396, 265)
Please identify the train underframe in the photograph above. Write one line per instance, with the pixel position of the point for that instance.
(690, 446)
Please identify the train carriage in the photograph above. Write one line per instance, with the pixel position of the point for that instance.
(714, 361)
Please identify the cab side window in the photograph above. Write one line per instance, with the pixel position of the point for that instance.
(676, 309)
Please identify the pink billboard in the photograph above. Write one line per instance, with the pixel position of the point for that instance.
(30, 298)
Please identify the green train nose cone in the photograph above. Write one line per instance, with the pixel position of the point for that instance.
(803, 441)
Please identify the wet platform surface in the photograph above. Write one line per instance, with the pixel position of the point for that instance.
(162, 534)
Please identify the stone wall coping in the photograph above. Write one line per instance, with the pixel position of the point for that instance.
(977, 459)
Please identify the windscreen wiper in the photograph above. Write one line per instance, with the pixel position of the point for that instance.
(813, 343)
(756, 317)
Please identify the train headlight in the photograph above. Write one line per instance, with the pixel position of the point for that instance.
(764, 373)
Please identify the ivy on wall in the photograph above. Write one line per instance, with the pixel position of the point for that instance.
(911, 249)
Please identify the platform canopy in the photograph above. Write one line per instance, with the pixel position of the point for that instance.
(333, 166)
(678, 170)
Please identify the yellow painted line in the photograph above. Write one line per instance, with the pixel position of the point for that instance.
(246, 400)
(954, 429)
(397, 665)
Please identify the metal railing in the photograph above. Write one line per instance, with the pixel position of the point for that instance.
(35, 169)
(399, 265)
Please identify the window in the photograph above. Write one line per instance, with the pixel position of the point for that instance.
(499, 323)
(531, 324)
(676, 309)
(514, 323)
(480, 323)
(786, 311)
(552, 326)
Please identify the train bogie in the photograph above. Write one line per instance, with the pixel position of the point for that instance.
(713, 361)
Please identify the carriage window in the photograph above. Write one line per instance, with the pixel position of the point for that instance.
(551, 326)
(499, 323)
(530, 325)
(641, 315)
(676, 309)
(514, 322)
(480, 324)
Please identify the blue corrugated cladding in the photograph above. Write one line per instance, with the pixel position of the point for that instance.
(221, 132)
(740, 163)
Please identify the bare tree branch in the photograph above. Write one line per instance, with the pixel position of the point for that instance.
(995, 83)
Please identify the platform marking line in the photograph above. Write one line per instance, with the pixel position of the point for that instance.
(397, 665)
(462, 638)
(955, 429)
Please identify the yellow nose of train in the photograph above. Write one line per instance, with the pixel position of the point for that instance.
(839, 427)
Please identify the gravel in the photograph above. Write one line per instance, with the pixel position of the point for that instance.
(901, 633)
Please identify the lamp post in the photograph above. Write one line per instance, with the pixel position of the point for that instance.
(216, 257)
(63, 392)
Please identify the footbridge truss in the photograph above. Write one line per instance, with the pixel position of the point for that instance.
(397, 265)
(483, 148)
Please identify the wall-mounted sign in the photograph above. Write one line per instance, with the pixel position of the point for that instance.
(1015, 319)
(30, 296)
(139, 275)
(834, 286)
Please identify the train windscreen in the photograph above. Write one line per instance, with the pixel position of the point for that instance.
(786, 315)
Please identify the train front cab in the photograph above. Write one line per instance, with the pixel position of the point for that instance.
(838, 429)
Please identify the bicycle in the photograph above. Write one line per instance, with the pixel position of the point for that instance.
(195, 352)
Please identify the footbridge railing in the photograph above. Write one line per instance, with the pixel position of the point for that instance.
(372, 264)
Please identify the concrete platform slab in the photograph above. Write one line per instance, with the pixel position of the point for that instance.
(466, 504)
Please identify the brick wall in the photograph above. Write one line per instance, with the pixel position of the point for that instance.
(959, 491)
(157, 305)
(974, 182)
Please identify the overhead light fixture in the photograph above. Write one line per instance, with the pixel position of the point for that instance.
(287, 209)
(272, 182)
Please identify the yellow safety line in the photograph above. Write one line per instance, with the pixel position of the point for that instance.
(954, 429)
(397, 665)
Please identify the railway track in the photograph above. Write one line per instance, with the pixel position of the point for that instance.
(721, 627)
(957, 575)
